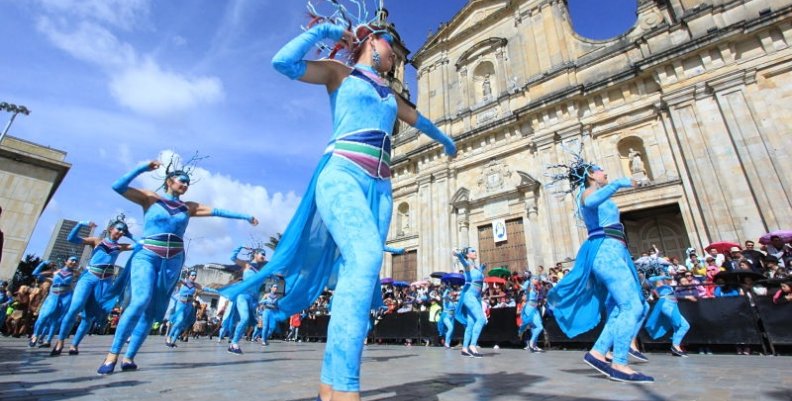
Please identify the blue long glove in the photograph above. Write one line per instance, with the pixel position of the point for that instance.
(602, 194)
(37, 272)
(122, 184)
(231, 215)
(426, 126)
(74, 235)
(235, 253)
(395, 251)
(289, 59)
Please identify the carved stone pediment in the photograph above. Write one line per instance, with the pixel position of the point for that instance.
(494, 176)
(473, 13)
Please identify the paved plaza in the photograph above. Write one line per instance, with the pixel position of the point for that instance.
(203, 370)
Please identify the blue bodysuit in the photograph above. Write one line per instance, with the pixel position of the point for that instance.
(604, 274)
(337, 234)
(531, 315)
(91, 287)
(445, 324)
(665, 316)
(57, 302)
(184, 314)
(245, 303)
(470, 312)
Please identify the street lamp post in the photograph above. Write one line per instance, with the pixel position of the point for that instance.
(14, 110)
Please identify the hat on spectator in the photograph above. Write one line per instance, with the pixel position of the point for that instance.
(681, 268)
(735, 249)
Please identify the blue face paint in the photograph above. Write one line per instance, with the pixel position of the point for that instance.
(120, 227)
(596, 168)
(184, 179)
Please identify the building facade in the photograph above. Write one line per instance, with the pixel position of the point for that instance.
(29, 176)
(691, 101)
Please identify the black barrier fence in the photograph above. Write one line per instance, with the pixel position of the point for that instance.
(712, 321)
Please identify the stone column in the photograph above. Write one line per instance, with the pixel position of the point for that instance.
(463, 228)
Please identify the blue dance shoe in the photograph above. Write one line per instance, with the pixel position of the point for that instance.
(31, 344)
(678, 352)
(638, 355)
(106, 369)
(618, 376)
(600, 366)
(128, 366)
(465, 353)
(535, 349)
(236, 351)
(74, 352)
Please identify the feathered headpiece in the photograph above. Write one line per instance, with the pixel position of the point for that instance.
(175, 167)
(359, 22)
(575, 172)
(255, 247)
(119, 222)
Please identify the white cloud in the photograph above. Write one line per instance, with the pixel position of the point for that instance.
(84, 30)
(149, 90)
(123, 14)
(89, 42)
(211, 238)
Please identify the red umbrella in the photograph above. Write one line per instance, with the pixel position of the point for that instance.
(723, 246)
(494, 280)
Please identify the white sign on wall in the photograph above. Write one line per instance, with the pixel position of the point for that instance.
(499, 230)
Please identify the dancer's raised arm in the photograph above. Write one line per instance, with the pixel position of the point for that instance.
(414, 118)
(289, 59)
(140, 196)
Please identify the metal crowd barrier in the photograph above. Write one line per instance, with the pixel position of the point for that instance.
(712, 321)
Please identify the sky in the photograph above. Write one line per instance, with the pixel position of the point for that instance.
(118, 82)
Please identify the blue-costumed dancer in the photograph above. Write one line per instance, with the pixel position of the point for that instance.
(58, 300)
(445, 325)
(665, 315)
(245, 303)
(183, 315)
(339, 229)
(531, 315)
(94, 282)
(603, 274)
(269, 320)
(153, 269)
(469, 311)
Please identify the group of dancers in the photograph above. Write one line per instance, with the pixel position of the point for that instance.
(336, 237)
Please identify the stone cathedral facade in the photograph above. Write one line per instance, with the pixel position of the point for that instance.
(693, 100)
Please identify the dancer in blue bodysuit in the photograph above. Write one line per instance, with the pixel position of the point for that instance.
(58, 300)
(665, 315)
(603, 274)
(269, 322)
(337, 235)
(447, 317)
(469, 311)
(531, 314)
(245, 303)
(228, 322)
(184, 314)
(93, 283)
(153, 269)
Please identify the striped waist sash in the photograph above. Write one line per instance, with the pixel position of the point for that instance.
(164, 245)
(102, 271)
(615, 231)
(186, 299)
(369, 149)
(60, 289)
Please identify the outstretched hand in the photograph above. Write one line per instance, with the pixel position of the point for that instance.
(153, 165)
(253, 221)
(347, 40)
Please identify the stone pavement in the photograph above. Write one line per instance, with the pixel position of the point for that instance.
(203, 370)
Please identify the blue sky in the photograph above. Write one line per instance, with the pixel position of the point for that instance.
(116, 82)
